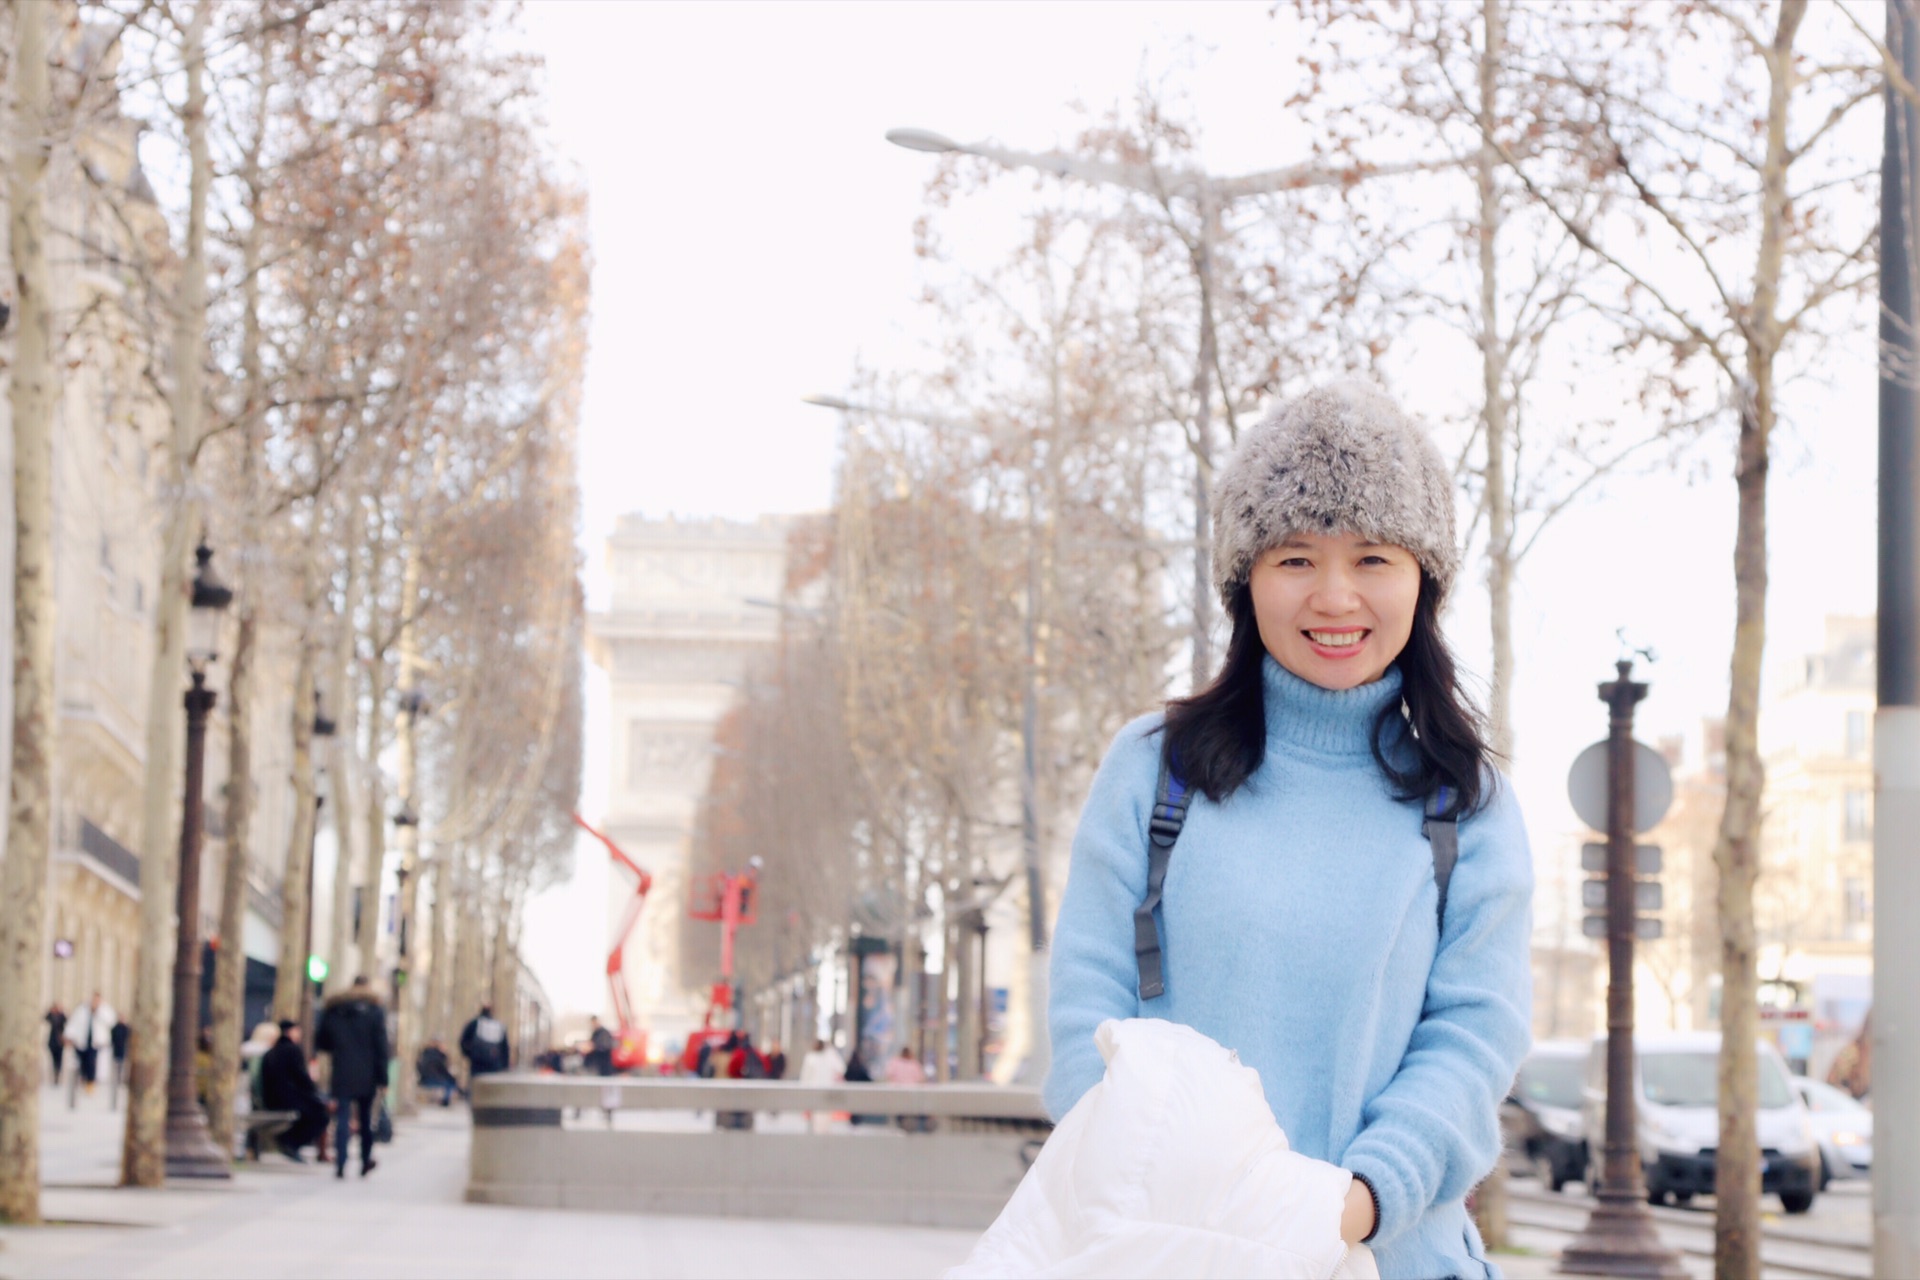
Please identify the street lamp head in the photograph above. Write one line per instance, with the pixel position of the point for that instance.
(922, 140)
(210, 599)
(406, 817)
(322, 726)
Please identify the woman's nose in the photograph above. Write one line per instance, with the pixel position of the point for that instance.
(1334, 593)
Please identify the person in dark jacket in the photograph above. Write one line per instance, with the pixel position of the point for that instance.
(353, 1035)
(483, 1042)
(287, 1085)
(437, 1073)
(599, 1057)
(57, 1038)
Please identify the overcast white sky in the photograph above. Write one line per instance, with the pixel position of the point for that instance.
(752, 240)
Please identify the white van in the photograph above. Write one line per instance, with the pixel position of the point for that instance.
(1676, 1087)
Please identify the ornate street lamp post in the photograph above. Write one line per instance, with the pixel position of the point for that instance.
(322, 728)
(191, 1152)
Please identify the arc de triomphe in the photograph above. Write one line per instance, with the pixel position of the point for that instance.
(676, 642)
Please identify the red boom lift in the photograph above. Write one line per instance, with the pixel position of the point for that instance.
(730, 899)
(630, 1041)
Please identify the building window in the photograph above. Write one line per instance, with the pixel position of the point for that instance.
(1859, 816)
(1854, 909)
(1856, 734)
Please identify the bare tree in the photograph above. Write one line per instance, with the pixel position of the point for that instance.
(1741, 230)
(23, 873)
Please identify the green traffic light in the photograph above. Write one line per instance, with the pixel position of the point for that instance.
(316, 969)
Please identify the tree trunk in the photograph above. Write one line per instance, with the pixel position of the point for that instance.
(1736, 852)
(296, 888)
(1493, 378)
(23, 872)
(1203, 456)
(345, 705)
(230, 959)
(376, 800)
(440, 956)
(143, 1155)
(1490, 1201)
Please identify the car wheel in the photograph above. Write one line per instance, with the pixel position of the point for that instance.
(1683, 1198)
(1826, 1171)
(1656, 1196)
(1796, 1201)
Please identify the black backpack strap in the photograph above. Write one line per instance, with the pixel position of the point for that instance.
(1443, 833)
(1170, 799)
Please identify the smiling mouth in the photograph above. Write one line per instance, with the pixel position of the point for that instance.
(1337, 644)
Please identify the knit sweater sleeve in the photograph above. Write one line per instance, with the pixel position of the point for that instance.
(1433, 1132)
(1094, 975)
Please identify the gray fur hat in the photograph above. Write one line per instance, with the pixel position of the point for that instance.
(1343, 458)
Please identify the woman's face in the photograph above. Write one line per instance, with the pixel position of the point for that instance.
(1335, 609)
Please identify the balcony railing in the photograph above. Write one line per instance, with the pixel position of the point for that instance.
(109, 853)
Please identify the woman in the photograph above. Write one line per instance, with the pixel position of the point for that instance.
(1301, 923)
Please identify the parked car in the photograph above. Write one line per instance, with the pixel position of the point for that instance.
(1541, 1117)
(1844, 1126)
(1676, 1084)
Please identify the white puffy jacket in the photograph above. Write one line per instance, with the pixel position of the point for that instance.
(1172, 1165)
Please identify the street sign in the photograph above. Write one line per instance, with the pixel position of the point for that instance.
(1593, 857)
(1646, 928)
(1652, 787)
(1646, 894)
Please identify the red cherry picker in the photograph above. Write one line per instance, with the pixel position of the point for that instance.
(630, 1041)
(732, 900)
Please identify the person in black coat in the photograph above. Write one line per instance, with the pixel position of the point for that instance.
(287, 1085)
(483, 1041)
(56, 1037)
(437, 1073)
(353, 1034)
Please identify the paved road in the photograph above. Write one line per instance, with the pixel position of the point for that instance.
(406, 1220)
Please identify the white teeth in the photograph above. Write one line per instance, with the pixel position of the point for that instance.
(1336, 639)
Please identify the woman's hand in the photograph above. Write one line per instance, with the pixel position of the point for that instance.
(1356, 1216)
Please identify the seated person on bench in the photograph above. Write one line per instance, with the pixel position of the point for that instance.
(286, 1085)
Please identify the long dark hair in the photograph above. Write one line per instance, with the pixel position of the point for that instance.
(1218, 736)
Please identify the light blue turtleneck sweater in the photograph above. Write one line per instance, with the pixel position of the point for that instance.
(1299, 928)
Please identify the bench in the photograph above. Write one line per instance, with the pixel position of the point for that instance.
(958, 1175)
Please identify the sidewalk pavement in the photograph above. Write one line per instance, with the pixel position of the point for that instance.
(281, 1221)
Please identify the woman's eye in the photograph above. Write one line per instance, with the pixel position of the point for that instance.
(1374, 560)
(1294, 562)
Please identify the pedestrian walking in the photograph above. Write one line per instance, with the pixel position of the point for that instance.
(89, 1030)
(483, 1042)
(1312, 859)
(599, 1057)
(56, 1039)
(821, 1066)
(287, 1085)
(776, 1061)
(353, 1035)
(905, 1069)
(120, 1037)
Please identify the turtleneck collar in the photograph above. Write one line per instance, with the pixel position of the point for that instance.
(1336, 722)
